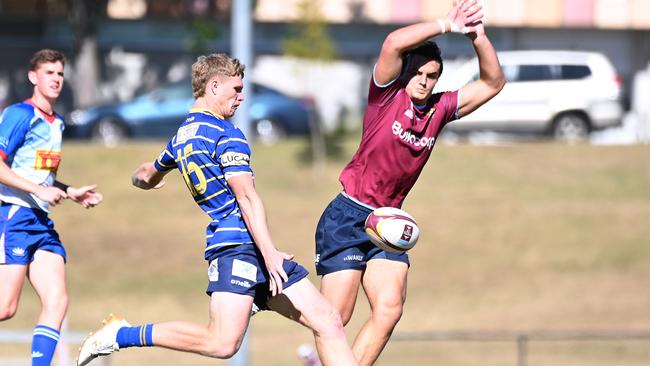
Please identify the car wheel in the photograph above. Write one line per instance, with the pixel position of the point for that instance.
(571, 127)
(109, 132)
(268, 131)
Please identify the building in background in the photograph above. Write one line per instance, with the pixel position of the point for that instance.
(144, 43)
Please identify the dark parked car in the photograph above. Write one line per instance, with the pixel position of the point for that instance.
(158, 113)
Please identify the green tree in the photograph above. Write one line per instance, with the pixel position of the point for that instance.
(203, 32)
(310, 39)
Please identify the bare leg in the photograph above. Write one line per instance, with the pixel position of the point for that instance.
(47, 276)
(303, 303)
(12, 277)
(384, 282)
(221, 338)
(341, 289)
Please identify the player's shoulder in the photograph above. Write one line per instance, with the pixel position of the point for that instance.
(208, 120)
(208, 127)
(443, 97)
(20, 110)
(18, 114)
(225, 128)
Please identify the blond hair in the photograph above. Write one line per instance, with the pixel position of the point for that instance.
(216, 64)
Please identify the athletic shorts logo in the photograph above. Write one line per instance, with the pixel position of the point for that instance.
(234, 159)
(47, 160)
(37, 354)
(213, 271)
(240, 283)
(244, 270)
(356, 258)
(18, 252)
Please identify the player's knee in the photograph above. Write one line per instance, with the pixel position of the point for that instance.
(346, 315)
(57, 305)
(389, 313)
(329, 324)
(7, 311)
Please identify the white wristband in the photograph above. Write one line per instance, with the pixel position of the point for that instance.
(456, 29)
(443, 26)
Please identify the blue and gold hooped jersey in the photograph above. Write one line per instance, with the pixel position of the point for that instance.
(206, 150)
(30, 144)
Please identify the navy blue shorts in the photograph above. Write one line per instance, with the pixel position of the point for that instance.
(240, 269)
(341, 239)
(25, 230)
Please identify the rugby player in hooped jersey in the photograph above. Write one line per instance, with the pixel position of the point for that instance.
(30, 153)
(400, 126)
(246, 271)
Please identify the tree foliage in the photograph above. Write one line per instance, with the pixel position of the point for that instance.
(310, 38)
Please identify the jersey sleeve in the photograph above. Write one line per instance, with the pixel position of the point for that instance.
(233, 153)
(14, 124)
(166, 160)
(380, 94)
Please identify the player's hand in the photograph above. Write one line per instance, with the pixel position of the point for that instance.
(85, 196)
(274, 259)
(51, 195)
(145, 177)
(466, 17)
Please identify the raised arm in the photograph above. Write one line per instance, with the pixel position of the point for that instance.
(254, 215)
(460, 19)
(491, 79)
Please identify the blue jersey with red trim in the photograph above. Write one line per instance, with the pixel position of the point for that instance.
(30, 144)
(207, 150)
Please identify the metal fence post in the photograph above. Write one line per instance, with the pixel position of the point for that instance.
(522, 349)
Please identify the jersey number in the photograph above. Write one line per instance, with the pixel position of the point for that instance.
(188, 168)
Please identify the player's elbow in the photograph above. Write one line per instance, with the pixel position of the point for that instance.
(492, 77)
(493, 84)
(499, 82)
(392, 45)
(221, 348)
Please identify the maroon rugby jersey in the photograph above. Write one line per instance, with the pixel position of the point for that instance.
(396, 144)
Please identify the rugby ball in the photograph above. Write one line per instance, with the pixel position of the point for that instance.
(392, 229)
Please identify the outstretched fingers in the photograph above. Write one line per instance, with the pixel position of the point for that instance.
(472, 11)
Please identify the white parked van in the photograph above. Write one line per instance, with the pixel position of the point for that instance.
(566, 94)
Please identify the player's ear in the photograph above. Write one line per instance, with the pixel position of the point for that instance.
(214, 87)
(31, 75)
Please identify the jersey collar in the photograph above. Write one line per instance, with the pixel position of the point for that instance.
(206, 111)
(48, 117)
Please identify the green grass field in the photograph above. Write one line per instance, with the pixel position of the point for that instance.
(521, 237)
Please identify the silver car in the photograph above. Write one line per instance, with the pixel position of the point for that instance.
(566, 94)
